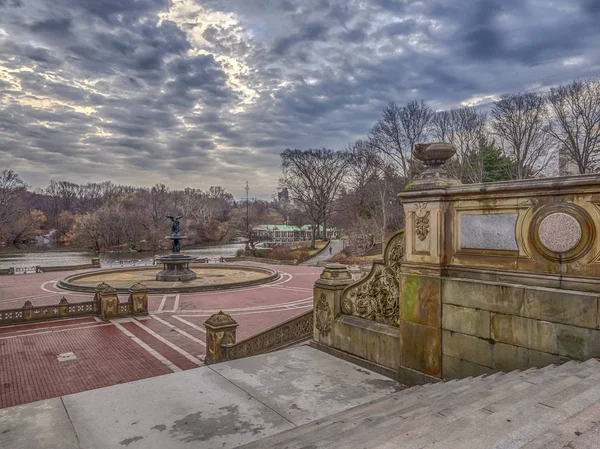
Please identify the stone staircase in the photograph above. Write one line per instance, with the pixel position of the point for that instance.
(552, 407)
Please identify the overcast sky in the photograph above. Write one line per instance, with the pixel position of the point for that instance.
(209, 92)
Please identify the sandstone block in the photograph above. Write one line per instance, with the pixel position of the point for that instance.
(466, 320)
(467, 347)
(420, 348)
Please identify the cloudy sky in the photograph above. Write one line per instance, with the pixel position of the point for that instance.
(208, 92)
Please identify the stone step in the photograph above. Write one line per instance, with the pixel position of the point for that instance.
(426, 415)
(385, 412)
(518, 419)
(513, 385)
(388, 416)
(563, 434)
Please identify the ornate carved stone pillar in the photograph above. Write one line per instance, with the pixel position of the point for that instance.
(108, 303)
(327, 300)
(220, 330)
(63, 307)
(138, 299)
(425, 208)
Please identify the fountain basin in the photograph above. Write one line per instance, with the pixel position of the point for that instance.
(176, 268)
(208, 278)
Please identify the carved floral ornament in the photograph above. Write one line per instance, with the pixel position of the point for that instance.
(323, 316)
(394, 251)
(421, 221)
(376, 298)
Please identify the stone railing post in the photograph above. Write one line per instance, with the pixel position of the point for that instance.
(63, 307)
(27, 311)
(326, 301)
(220, 331)
(138, 299)
(108, 301)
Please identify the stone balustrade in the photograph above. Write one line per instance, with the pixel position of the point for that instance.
(221, 342)
(105, 304)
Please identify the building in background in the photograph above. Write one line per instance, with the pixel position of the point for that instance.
(287, 233)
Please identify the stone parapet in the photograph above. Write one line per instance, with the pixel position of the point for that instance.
(105, 304)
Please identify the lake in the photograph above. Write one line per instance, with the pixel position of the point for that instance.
(31, 258)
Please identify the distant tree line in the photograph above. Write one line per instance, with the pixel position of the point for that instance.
(106, 216)
(520, 137)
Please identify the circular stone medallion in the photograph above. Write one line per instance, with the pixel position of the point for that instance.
(559, 232)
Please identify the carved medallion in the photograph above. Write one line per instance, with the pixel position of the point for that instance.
(559, 232)
(323, 316)
(422, 221)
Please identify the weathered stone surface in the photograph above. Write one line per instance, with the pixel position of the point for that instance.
(559, 232)
(467, 347)
(409, 376)
(43, 424)
(420, 300)
(524, 332)
(368, 340)
(420, 348)
(490, 296)
(576, 342)
(508, 357)
(454, 368)
(490, 231)
(466, 320)
(561, 306)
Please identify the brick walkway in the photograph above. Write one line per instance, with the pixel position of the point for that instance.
(171, 339)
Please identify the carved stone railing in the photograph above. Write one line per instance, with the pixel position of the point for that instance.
(377, 296)
(221, 344)
(46, 269)
(105, 304)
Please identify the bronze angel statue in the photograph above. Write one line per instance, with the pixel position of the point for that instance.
(175, 226)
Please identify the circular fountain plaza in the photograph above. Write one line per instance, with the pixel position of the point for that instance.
(208, 278)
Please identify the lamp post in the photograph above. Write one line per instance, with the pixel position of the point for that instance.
(247, 219)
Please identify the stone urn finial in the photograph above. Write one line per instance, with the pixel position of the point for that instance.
(434, 155)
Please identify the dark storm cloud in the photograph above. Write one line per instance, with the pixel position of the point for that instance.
(140, 91)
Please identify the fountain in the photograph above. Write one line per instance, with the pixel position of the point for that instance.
(176, 268)
(176, 265)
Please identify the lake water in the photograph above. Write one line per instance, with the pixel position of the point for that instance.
(27, 258)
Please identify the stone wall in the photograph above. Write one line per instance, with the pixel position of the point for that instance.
(499, 276)
(491, 326)
(484, 278)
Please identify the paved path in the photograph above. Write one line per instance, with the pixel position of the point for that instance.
(217, 406)
(171, 339)
(337, 246)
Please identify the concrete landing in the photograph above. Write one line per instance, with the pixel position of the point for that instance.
(219, 406)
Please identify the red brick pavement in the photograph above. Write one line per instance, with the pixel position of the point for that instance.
(30, 371)
(106, 355)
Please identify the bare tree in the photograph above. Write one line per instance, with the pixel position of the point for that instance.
(465, 128)
(399, 129)
(373, 179)
(575, 121)
(313, 178)
(24, 228)
(519, 122)
(11, 190)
